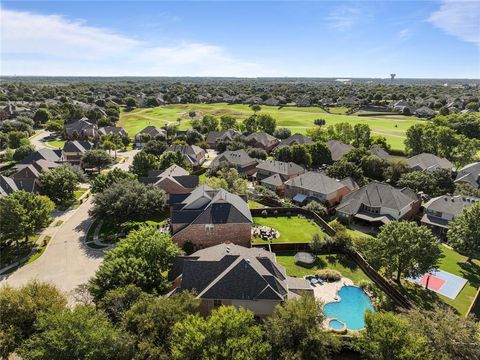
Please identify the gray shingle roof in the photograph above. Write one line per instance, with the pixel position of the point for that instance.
(376, 194)
(452, 205)
(77, 146)
(338, 149)
(379, 151)
(319, 182)
(78, 126)
(429, 162)
(295, 139)
(280, 167)
(214, 136)
(238, 158)
(45, 154)
(228, 271)
(469, 174)
(262, 138)
(205, 205)
(152, 131)
(112, 130)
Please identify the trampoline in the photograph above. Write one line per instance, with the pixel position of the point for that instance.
(441, 282)
(304, 258)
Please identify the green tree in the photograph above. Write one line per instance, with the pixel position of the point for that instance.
(282, 133)
(266, 123)
(143, 162)
(118, 301)
(19, 311)
(390, 337)
(466, 189)
(143, 258)
(41, 116)
(130, 102)
(59, 184)
(255, 108)
(150, 322)
(22, 152)
(294, 331)
(128, 200)
(54, 125)
(301, 155)
(320, 154)
(228, 333)
(342, 169)
(464, 232)
(404, 248)
(81, 333)
(22, 214)
(227, 122)
(98, 159)
(250, 124)
(170, 158)
(414, 143)
(105, 180)
(341, 131)
(373, 167)
(16, 139)
(450, 336)
(361, 135)
(209, 123)
(395, 170)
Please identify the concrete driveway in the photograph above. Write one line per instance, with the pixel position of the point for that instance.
(66, 262)
(37, 142)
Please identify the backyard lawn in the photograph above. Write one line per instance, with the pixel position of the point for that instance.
(453, 263)
(292, 229)
(339, 262)
(254, 205)
(55, 144)
(294, 118)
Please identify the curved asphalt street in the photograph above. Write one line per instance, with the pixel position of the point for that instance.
(67, 262)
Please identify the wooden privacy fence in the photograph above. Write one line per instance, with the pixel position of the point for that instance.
(474, 303)
(373, 274)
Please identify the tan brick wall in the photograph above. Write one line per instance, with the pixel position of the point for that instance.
(198, 235)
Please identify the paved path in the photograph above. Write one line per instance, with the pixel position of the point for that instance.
(66, 262)
(37, 142)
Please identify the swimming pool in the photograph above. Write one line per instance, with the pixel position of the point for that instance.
(351, 308)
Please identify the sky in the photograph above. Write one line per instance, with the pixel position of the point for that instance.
(414, 39)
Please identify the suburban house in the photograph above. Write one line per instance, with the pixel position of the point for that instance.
(238, 159)
(262, 140)
(194, 154)
(228, 274)
(338, 149)
(9, 185)
(379, 203)
(148, 133)
(80, 130)
(379, 151)
(173, 180)
(106, 130)
(319, 187)
(214, 137)
(50, 155)
(439, 211)
(428, 162)
(295, 139)
(74, 150)
(469, 174)
(208, 217)
(273, 174)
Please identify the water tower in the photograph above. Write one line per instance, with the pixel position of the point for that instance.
(392, 76)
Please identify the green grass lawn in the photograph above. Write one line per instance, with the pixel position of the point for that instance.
(12, 254)
(292, 229)
(453, 263)
(55, 144)
(254, 205)
(294, 118)
(342, 263)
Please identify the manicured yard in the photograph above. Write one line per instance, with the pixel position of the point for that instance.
(55, 144)
(294, 118)
(339, 262)
(292, 229)
(254, 205)
(456, 264)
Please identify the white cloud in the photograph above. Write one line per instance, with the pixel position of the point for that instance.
(36, 44)
(344, 18)
(460, 19)
(404, 34)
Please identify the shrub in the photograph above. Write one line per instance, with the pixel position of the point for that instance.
(188, 247)
(329, 274)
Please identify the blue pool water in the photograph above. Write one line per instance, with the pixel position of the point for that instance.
(351, 309)
(335, 324)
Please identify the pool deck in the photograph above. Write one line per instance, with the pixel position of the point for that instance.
(327, 292)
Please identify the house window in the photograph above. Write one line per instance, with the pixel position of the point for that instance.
(217, 303)
(208, 227)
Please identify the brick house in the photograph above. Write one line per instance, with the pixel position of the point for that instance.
(272, 174)
(238, 159)
(262, 140)
(74, 151)
(194, 154)
(208, 217)
(173, 180)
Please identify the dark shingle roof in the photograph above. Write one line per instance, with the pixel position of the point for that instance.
(338, 149)
(377, 195)
(262, 138)
(228, 271)
(280, 167)
(320, 183)
(77, 146)
(452, 205)
(295, 139)
(45, 154)
(379, 151)
(469, 174)
(238, 158)
(112, 130)
(429, 162)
